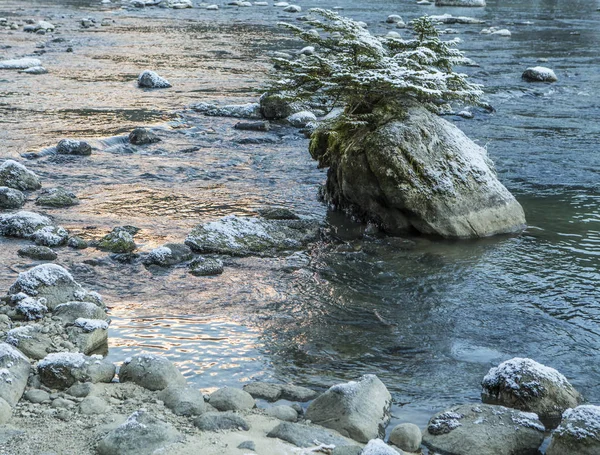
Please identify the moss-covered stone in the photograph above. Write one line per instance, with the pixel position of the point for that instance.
(15, 175)
(57, 197)
(206, 267)
(40, 253)
(120, 240)
(11, 198)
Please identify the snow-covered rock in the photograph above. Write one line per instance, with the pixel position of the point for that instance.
(69, 312)
(530, 386)
(177, 4)
(63, 369)
(15, 175)
(44, 25)
(30, 309)
(204, 266)
(539, 74)
(19, 64)
(50, 236)
(30, 340)
(169, 254)
(11, 198)
(301, 119)
(14, 372)
(483, 430)
(35, 70)
(22, 224)
(56, 197)
(394, 19)
(450, 19)
(378, 447)
(250, 110)
(88, 335)
(578, 433)
(149, 79)
(439, 182)
(73, 147)
(358, 409)
(152, 372)
(464, 3)
(119, 240)
(292, 9)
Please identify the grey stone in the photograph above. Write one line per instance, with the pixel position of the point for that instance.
(151, 372)
(292, 392)
(88, 335)
(62, 403)
(378, 447)
(5, 411)
(11, 198)
(301, 119)
(69, 312)
(56, 197)
(35, 70)
(484, 430)
(15, 175)
(30, 340)
(92, 405)
(264, 390)
(530, 386)
(183, 401)
(578, 433)
(247, 445)
(243, 236)
(149, 79)
(539, 74)
(347, 450)
(357, 409)
(285, 413)
(216, 421)
(463, 3)
(143, 136)
(62, 370)
(141, 434)
(14, 372)
(253, 126)
(277, 213)
(19, 64)
(231, 399)
(77, 243)
(438, 183)
(73, 147)
(22, 224)
(206, 266)
(36, 396)
(304, 435)
(406, 436)
(169, 254)
(80, 389)
(40, 253)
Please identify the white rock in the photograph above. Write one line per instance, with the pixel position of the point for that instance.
(293, 9)
(394, 19)
(19, 64)
(539, 74)
(43, 25)
(212, 7)
(149, 79)
(301, 119)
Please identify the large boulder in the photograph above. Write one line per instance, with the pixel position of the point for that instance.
(417, 173)
(358, 409)
(578, 433)
(141, 434)
(22, 224)
(63, 369)
(530, 386)
(152, 372)
(240, 236)
(15, 175)
(539, 74)
(14, 372)
(49, 281)
(484, 430)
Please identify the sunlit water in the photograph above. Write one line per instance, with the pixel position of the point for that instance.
(429, 317)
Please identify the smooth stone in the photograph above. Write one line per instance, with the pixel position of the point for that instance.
(183, 401)
(36, 396)
(247, 445)
(231, 399)
(304, 435)
(152, 372)
(80, 389)
(40, 253)
(57, 197)
(406, 436)
(14, 372)
(264, 390)
(539, 74)
(92, 405)
(216, 421)
(285, 413)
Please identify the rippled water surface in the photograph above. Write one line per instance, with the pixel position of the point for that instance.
(429, 317)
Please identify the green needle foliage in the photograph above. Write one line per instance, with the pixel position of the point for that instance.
(361, 72)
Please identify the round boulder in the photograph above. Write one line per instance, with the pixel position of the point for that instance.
(22, 224)
(406, 436)
(63, 369)
(183, 401)
(231, 399)
(578, 433)
(539, 74)
(149, 79)
(15, 175)
(152, 372)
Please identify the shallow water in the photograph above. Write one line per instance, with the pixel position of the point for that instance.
(429, 317)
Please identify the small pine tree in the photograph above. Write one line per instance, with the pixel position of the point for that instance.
(361, 72)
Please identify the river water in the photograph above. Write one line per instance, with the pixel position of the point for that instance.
(428, 316)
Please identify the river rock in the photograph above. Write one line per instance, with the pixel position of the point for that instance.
(51, 236)
(56, 197)
(292, 9)
(243, 236)
(35, 70)
(44, 25)
(19, 64)
(406, 436)
(285, 413)
(253, 126)
(276, 107)
(530, 386)
(450, 19)
(141, 433)
(169, 254)
(467, 3)
(177, 4)
(183, 401)
(29, 309)
(206, 266)
(394, 19)
(301, 119)
(149, 79)
(77, 243)
(11, 198)
(277, 213)
(484, 430)
(217, 421)
(152, 372)
(143, 136)
(63, 369)
(5, 411)
(73, 147)
(15, 175)
(403, 179)
(22, 224)
(357, 409)
(51, 282)
(39, 253)
(304, 435)
(14, 372)
(88, 335)
(378, 447)
(578, 433)
(250, 110)
(292, 392)
(36, 396)
(264, 390)
(231, 399)
(92, 405)
(30, 340)
(539, 74)
(69, 312)
(120, 240)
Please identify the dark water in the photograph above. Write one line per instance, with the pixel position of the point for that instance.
(429, 317)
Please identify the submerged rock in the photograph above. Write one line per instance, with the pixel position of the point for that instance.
(141, 433)
(484, 430)
(11, 198)
(143, 136)
(63, 369)
(250, 110)
(420, 173)
(169, 254)
(152, 372)
(578, 433)
(242, 236)
(15, 175)
(22, 224)
(530, 386)
(357, 409)
(73, 147)
(14, 372)
(56, 197)
(149, 79)
(253, 126)
(539, 74)
(467, 3)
